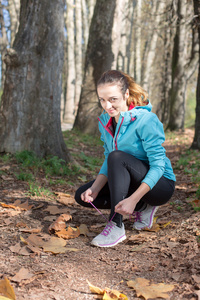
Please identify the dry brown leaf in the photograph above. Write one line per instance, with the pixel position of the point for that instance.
(6, 289)
(17, 205)
(55, 210)
(143, 288)
(31, 230)
(64, 198)
(198, 294)
(83, 229)
(70, 233)
(21, 275)
(6, 178)
(54, 245)
(59, 224)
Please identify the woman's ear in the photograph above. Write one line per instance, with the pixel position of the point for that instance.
(127, 94)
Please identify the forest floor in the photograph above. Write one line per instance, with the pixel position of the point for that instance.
(40, 267)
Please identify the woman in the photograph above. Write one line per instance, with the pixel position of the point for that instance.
(136, 176)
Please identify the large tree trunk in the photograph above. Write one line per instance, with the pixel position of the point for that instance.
(196, 141)
(99, 58)
(30, 110)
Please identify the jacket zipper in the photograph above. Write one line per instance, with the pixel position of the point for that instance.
(110, 132)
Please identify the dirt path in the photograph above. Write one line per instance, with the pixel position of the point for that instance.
(169, 254)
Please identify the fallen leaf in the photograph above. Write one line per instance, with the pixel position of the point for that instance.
(65, 198)
(107, 293)
(55, 210)
(143, 288)
(6, 289)
(22, 274)
(31, 230)
(198, 294)
(70, 233)
(95, 289)
(17, 205)
(83, 229)
(54, 245)
(60, 223)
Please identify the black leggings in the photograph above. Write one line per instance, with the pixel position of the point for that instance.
(125, 173)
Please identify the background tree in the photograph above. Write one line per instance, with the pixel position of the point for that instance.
(99, 57)
(196, 141)
(30, 107)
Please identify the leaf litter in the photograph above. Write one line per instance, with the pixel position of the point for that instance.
(169, 255)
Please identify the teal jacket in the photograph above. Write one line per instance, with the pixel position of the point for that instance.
(139, 133)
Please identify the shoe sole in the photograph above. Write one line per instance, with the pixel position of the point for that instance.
(121, 239)
(151, 220)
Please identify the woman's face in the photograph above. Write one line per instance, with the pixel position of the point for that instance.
(112, 100)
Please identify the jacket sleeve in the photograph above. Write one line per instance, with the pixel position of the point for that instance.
(152, 137)
(104, 168)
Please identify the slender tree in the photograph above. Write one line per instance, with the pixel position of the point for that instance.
(3, 44)
(30, 110)
(99, 57)
(196, 141)
(14, 8)
(182, 68)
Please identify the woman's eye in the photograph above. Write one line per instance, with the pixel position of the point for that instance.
(113, 99)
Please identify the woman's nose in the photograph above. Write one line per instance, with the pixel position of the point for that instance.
(108, 105)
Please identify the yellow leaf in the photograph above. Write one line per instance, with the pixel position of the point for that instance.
(4, 298)
(70, 233)
(55, 245)
(113, 295)
(165, 225)
(6, 289)
(143, 288)
(95, 289)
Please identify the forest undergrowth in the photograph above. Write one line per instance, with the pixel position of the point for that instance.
(45, 250)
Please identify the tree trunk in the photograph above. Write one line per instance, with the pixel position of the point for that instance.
(70, 97)
(138, 42)
(196, 141)
(122, 59)
(116, 31)
(3, 45)
(14, 8)
(182, 68)
(30, 110)
(85, 23)
(78, 53)
(152, 47)
(99, 58)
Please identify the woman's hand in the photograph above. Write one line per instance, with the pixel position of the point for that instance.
(125, 207)
(89, 195)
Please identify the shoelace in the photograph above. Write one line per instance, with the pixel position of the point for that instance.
(109, 224)
(137, 216)
(108, 229)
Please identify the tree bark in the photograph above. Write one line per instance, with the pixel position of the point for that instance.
(99, 58)
(3, 45)
(30, 110)
(152, 46)
(138, 65)
(196, 141)
(78, 53)
(69, 113)
(14, 9)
